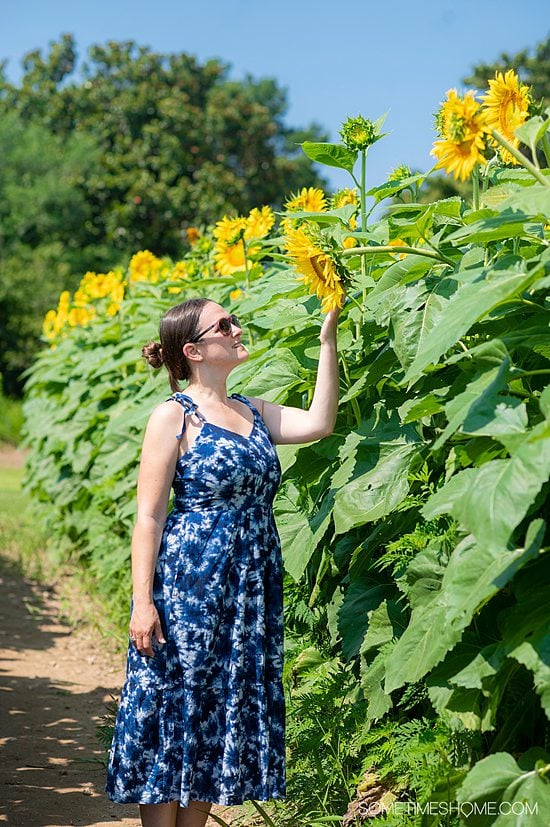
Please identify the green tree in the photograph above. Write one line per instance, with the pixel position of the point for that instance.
(42, 211)
(181, 143)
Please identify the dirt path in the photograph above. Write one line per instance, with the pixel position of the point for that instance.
(54, 684)
(53, 695)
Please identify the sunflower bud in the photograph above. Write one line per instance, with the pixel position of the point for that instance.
(358, 133)
(400, 172)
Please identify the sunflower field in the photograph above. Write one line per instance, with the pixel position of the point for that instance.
(415, 537)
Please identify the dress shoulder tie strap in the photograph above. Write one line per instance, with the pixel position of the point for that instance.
(189, 408)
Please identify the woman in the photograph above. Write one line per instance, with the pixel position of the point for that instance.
(201, 717)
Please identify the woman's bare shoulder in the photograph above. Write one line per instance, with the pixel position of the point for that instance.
(166, 414)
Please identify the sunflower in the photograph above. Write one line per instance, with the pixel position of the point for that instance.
(229, 258)
(400, 172)
(259, 223)
(309, 199)
(318, 269)
(344, 197)
(230, 230)
(462, 125)
(145, 266)
(49, 325)
(507, 108)
(80, 316)
(229, 250)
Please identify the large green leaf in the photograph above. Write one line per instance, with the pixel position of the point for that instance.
(506, 224)
(333, 155)
(360, 600)
(472, 300)
(373, 477)
(299, 535)
(499, 791)
(533, 201)
(272, 379)
(509, 486)
(465, 701)
(483, 410)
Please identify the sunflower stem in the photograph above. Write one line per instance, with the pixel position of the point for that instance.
(520, 157)
(354, 300)
(475, 185)
(363, 193)
(246, 270)
(384, 248)
(354, 404)
(363, 189)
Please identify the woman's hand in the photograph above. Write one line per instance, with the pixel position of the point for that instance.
(330, 324)
(144, 625)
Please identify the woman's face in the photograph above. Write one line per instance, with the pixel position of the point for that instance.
(213, 342)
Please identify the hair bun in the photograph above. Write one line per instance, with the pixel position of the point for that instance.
(152, 352)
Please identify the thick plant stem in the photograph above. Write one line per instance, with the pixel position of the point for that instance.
(354, 403)
(363, 190)
(519, 156)
(385, 248)
(363, 197)
(475, 186)
(246, 269)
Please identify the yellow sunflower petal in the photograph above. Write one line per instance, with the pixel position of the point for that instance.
(507, 108)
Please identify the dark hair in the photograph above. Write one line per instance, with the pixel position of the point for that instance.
(178, 326)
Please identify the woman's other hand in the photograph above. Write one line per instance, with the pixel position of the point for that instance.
(144, 626)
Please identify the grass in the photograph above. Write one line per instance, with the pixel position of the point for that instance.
(19, 536)
(12, 419)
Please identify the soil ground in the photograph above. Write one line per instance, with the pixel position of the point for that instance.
(55, 681)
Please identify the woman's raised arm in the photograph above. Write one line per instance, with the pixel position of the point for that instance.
(294, 425)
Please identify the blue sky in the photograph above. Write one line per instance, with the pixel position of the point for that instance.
(335, 59)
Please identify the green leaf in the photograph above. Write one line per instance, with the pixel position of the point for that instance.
(524, 627)
(481, 408)
(507, 224)
(332, 155)
(361, 598)
(385, 622)
(509, 487)
(476, 294)
(461, 700)
(272, 379)
(373, 476)
(391, 187)
(503, 789)
(533, 201)
(372, 682)
(299, 535)
(413, 309)
(532, 131)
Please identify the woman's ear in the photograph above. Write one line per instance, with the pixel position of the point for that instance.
(191, 352)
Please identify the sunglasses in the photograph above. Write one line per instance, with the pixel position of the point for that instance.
(224, 325)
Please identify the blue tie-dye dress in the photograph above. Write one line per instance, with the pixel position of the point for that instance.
(204, 718)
